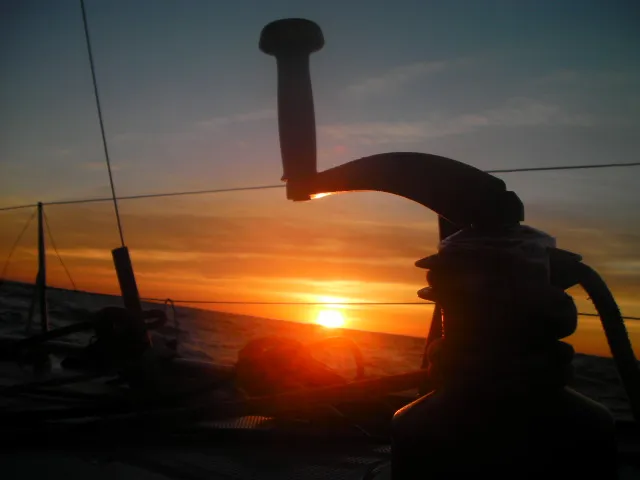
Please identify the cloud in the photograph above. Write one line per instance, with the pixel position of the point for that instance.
(613, 94)
(209, 253)
(589, 80)
(257, 115)
(396, 78)
(62, 152)
(524, 112)
(194, 130)
(227, 247)
(517, 112)
(400, 77)
(321, 247)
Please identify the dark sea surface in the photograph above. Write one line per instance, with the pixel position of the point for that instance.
(217, 337)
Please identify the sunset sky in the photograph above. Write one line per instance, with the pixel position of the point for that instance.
(189, 103)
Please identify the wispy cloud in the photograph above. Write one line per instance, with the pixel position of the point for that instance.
(203, 256)
(584, 79)
(62, 152)
(517, 112)
(523, 112)
(395, 78)
(194, 130)
(257, 115)
(399, 77)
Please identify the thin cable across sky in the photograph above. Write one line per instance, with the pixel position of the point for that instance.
(268, 187)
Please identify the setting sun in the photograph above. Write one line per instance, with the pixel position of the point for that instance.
(330, 319)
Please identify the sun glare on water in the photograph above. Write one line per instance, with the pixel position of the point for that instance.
(330, 319)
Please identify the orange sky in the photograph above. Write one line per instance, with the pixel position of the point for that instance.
(327, 250)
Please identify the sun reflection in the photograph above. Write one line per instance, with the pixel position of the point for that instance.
(330, 319)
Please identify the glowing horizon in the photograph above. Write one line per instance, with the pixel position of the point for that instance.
(93, 271)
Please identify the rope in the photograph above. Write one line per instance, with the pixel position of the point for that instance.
(101, 121)
(265, 187)
(55, 249)
(616, 333)
(15, 245)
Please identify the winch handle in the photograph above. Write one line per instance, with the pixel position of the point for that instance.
(462, 194)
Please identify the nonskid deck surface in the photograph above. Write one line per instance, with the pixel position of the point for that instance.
(211, 459)
(216, 462)
(251, 447)
(209, 463)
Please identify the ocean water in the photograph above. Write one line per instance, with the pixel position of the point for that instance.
(218, 337)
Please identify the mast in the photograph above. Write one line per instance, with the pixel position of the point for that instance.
(42, 272)
(40, 292)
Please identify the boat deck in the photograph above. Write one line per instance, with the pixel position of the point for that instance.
(248, 447)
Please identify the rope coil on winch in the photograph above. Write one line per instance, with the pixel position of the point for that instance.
(513, 339)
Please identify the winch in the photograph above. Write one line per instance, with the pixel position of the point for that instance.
(496, 398)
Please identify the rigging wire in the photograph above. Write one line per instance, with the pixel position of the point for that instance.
(15, 245)
(564, 167)
(223, 302)
(101, 121)
(55, 249)
(266, 187)
(170, 194)
(241, 302)
(598, 315)
(329, 304)
(18, 207)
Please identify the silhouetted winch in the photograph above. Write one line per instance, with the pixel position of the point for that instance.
(498, 405)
